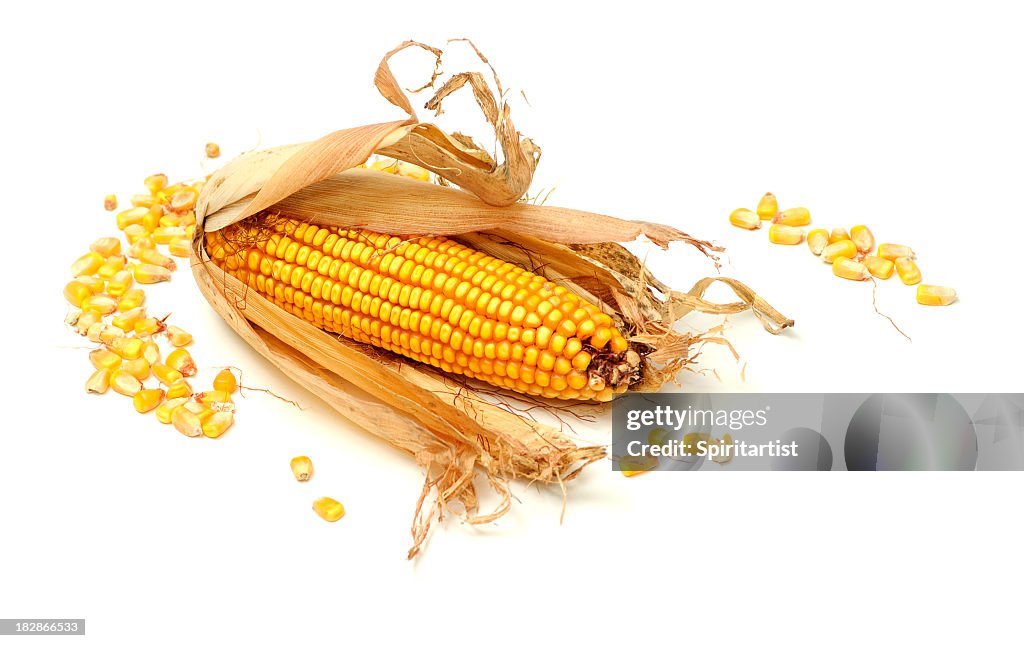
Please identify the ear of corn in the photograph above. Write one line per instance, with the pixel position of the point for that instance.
(436, 301)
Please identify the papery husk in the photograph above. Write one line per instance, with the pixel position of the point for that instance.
(453, 427)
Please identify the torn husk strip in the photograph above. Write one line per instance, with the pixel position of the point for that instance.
(450, 428)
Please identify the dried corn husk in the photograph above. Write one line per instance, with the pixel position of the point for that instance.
(452, 427)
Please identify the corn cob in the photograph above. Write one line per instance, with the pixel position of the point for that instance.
(436, 301)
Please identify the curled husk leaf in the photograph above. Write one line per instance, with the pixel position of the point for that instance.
(454, 428)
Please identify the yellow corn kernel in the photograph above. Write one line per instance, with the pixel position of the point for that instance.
(850, 269)
(151, 352)
(99, 304)
(170, 220)
(745, 218)
(146, 273)
(135, 233)
(124, 383)
(329, 509)
(98, 382)
(879, 267)
(225, 381)
(179, 389)
(165, 409)
(155, 182)
(94, 331)
(149, 326)
(928, 295)
(146, 400)
(85, 320)
(212, 150)
(768, 207)
(110, 202)
(104, 359)
(109, 334)
(152, 219)
(407, 170)
(794, 217)
(178, 336)
(130, 217)
(144, 243)
(838, 234)
(817, 240)
(119, 284)
(131, 299)
(106, 246)
(112, 266)
(180, 247)
(128, 348)
(143, 200)
(94, 284)
(181, 360)
(908, 271)
(893, 251)
(386, 165)
(154, 257)
(842, 249)
(137, 367)
(76, 292)
(186, 422)
(87, 264)
(184, 199)
(126, 319)
(166, 375)
(302, 468)
(785, 235)
(217, 424)
(213, 396)
(633, 466)
(862, 238)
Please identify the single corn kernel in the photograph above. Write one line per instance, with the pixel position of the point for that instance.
(154, 257)
(135, 233)
(178, 336)
(184, 199)
(768, 207)
(106, 246)
(94, 331)
(109, 334)
(794, 217)
(98, 382)
(146, 273)
(817, 240)
(112, 266)
(840, 249)
(85, 320)
(908, 271)
(76, 292)
(879, 267)
(137, 367)
(110, 202)
(302, 468)
(212, 150)
(179, 389)
(131, 299)
(144, 243)
(412, 171)
(386, 165)
(94, 284)
(633, 466)
(850, 269)
(202, 410)
(124, 383)
(217, 424)
(785, 235)
(225, 381)
(928, 295)
(181, 360)
(745, 218)
(143, 200)
(329, 509)
(151, 352)
(893, 251)
(164, 235)
(100, 304)
(862, 238)
(166, 375)
(119, 284)
(838, 234)
(170, 220)
(87, 264)
(129, 217)
(126, 319)
(147, 399)
(155, 182)
(186, 422)
(180, 247)
(128, 348)
(165, 409)
(213, 396)
(104, 359)
(149, 326)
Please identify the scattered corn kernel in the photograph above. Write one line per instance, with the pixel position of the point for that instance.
(109, 334)
(166, 375)
(225, 381)
(146, 400)
(386, 165)
(137, 367)
(879, 267)
(633, 466)
(840, 249)
(745, 218)
(184, 199)
(850, 269)
(100, 304)
(785, 235)
(112, 266)
(119, 284)
(85, 320)
(149, 326)
(129, 217)
(124, 383)
(862, 238)
(893, 251)
(165, 409)
(186, 422)
(87, 264)
(94, 284)
(213, 396)
(76, 292)
(768, 207)
(104, 359)
(212, 150)
(110, 202)
(153, 257)
(131, 299)
(94, 331)
(178, 336)
(151, 352)
(817, 240)
(794, 217)
(217, 424)
(143, 200)
(147, 273)
(128, 348)
(135, 233)
(155, 182)
(144, 243)
(329, 509)
(302, 468)
(908, 271)
(98, 382)
(180, 247)
(126, 319)
(181, 360)
(838, 234)
(179, 389)
(928, 295)
(106, 246)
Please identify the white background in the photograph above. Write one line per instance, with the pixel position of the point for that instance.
(904, 116)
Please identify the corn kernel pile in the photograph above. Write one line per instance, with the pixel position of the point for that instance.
(110, 311)
(850, 253)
